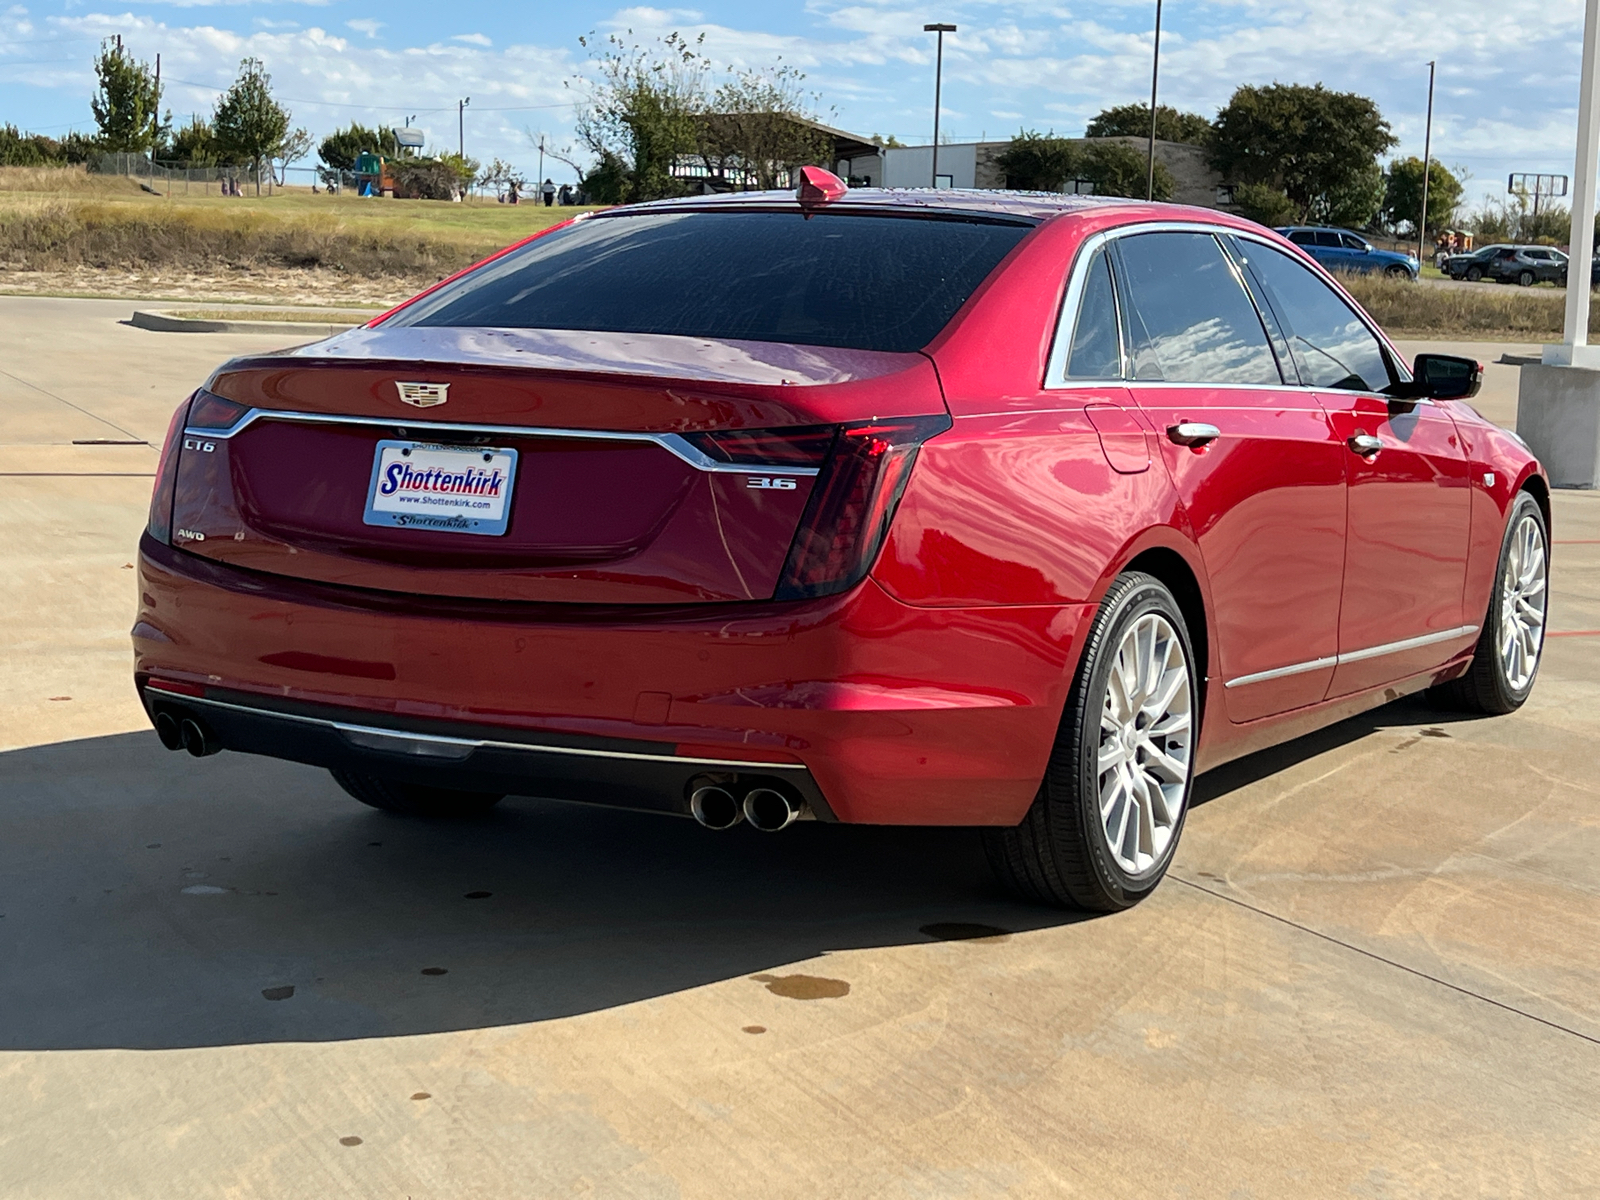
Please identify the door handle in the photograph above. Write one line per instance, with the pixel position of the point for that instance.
(1365, 444)
(1193, 433)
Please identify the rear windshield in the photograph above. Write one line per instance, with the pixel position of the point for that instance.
(837, 279)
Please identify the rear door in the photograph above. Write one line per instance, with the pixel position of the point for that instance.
(1266, 496)
(1409, 503)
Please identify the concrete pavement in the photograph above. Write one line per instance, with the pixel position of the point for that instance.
(1372, 971)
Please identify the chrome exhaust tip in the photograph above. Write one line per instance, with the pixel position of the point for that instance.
(168, 730)
(715, 807)
(197, 739)
(769, 810)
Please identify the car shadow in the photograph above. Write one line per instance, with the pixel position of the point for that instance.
(150, 900)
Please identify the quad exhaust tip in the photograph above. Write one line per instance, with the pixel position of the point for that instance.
(186, 733)
(766, 808)
(769, 809)
(715, 807)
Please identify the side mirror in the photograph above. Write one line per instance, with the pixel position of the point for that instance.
(1442, 377)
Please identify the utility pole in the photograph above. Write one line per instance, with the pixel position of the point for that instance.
(461, 126)
(1155, 76)
(938, 81)
(1427, 166)
(1581, 245)
(541, 162)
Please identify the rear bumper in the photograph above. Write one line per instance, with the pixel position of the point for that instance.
(871, 710)
(481, 759)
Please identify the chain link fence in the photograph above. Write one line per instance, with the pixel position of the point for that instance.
(182, 178)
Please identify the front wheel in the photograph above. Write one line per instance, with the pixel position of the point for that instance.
(1506, 661)
(1474, 274)
(1108, 815)
(414, 799)
(1397, 272)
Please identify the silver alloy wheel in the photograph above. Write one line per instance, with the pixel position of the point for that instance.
(1522, 603)
(1146, 729)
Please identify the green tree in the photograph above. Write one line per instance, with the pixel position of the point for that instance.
(641, 115)
(1314, 146)
(1133, 120)
(194, 144)
(1042, 162)
(1264, 204)
(127, 100)
(1402, 200)
(250, 125)
(1353, 204)
(762, 123)
(340, 149)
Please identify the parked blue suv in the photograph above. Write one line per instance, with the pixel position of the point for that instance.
(1341, 250)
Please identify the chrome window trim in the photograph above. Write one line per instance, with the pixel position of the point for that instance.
(1055, 378)
(1350, 656)
(675, 444)
(451, 744)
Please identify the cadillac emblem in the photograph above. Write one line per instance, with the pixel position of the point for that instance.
(423, 395)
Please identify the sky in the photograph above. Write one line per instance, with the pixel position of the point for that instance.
(1506, 95)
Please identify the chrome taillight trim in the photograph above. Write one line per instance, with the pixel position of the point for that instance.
(673, 443)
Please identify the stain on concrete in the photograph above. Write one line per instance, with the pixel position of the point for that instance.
(1434, 733)
(278, 993)
(421, 1095)
(478, 895)
(352, 1140)
(755, 1029)
(435, 971)
(804, 987)
(965, 931)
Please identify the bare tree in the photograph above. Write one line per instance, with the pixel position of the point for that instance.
(762, 126)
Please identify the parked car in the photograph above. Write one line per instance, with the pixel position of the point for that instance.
(1012, 511)
(1341, 250)
(1472, 265)
(1527, 265)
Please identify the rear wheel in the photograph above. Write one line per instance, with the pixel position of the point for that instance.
(414, 799)
(1506, 661)
(1106, 821)
(1525, 279)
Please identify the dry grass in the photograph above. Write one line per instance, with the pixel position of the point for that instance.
(1463, 311)
(66, 222)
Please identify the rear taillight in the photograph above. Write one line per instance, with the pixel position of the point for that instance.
(213, 412)
(160, 524)
(802, 446)
(852, 504)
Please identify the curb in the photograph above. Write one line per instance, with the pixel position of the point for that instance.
(167, 323)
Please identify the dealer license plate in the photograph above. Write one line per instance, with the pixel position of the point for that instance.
(452, 489)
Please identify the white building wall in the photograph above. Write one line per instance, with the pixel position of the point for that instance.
(912, 166)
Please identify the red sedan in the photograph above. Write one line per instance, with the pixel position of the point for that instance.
(922, 508)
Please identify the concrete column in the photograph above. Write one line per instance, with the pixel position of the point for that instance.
(1558, 401)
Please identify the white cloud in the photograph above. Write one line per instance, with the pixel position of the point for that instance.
(365, 25)
(476, 39)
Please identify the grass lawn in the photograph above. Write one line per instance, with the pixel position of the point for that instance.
(67, 227)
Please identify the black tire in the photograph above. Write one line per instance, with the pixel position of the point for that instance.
(1396, 271)
(1486, 687)
(1526, 279)
(1061, 854)
(1474, 274)
(414, 799)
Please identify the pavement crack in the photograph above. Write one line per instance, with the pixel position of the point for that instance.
(63, 400)
(1399, 966)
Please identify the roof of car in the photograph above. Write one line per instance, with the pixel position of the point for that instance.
(1036, 206)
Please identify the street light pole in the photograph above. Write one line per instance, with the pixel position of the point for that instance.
(938, 81)
(1427, 165)
(1155, 76)
(461, 126)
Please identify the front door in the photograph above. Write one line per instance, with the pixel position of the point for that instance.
(1266, 496)
(1409, 503)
